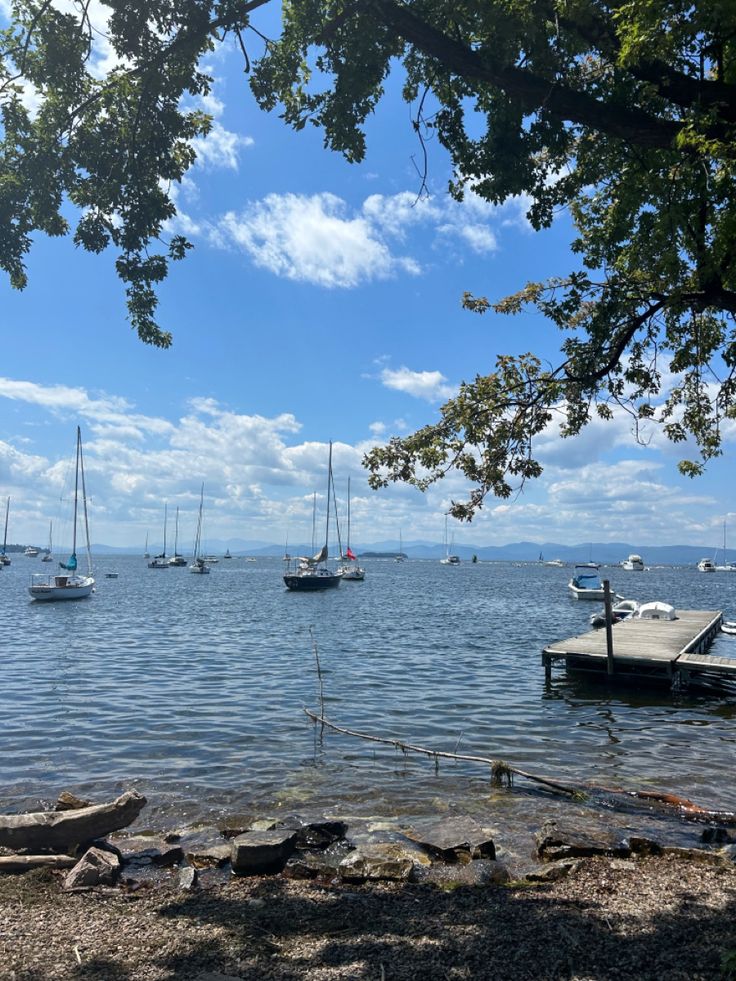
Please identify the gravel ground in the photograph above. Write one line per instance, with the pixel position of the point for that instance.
(658, 918)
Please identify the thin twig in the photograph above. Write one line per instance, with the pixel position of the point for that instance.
(319, 676)
(497, 766)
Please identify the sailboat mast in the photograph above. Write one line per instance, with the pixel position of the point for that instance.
(176, 533)
(165, 516)
(84, 502)
(76, 492)
(329, 487)
(348, 514)
(314, 517)
(5, 533)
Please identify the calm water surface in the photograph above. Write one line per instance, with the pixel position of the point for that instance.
(191, 689)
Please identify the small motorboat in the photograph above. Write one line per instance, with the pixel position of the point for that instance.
(656, 611)
(729, 627)
(622, 610)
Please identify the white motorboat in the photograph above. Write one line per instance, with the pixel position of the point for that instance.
(31, 552)
(586, 584)
(634, 563)
(69, 584)
(623, 610)
(706, 565)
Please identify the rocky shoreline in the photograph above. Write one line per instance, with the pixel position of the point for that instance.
(312, 896)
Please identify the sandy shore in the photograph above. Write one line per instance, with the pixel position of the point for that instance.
(658, 918)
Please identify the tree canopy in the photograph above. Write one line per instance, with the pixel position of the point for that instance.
(623, 113)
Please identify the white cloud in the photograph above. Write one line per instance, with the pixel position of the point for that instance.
(220, 147)
(310, 239)
(429, 385)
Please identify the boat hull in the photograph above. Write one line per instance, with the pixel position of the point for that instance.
(56, 590)
(310, 582)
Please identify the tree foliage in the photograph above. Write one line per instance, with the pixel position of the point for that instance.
(623, 113)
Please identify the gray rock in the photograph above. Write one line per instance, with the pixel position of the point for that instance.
(717, 836)
(94, 868)
(453, 838)
(69, 802)
(318, 832)
(729, 852)
(188, 879)
(205, 848)
(318, 863)
(482, 872)
(698, 855)
(261, 852)
(386, 860)
(554, 871)
(146, 850)
(644, 846)
(555, 842)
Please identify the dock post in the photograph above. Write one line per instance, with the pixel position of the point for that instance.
(609, 625)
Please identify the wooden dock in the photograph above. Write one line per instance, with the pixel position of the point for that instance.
(671, 651)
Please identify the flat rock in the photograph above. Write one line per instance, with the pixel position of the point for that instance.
(482, 872)
(554, 871)
(147, 850)
(698, 855)
(94, 868)
(382, 860)
(556, 842)
(205, 848)
(311, 832)
(261, 852)
(317, 863)
(453, 838)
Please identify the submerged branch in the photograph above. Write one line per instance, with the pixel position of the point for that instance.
(499, 769)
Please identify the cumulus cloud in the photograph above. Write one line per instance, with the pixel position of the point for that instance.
(320, 239)
(311, 239)
(429, 385)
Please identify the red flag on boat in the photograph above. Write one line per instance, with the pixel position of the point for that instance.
(350, 554)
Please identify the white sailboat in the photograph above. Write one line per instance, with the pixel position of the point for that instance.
(4, 560)
(400, 556)
(199, 565)
(727, 566)
(160, 561)
(47, 555)
(350, 569)
(146, 553)
(449, 559)
(312, 573)
(176, 559)
(69, 584)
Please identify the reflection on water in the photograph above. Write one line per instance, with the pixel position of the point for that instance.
(191, 689)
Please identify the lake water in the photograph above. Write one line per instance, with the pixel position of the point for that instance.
(191, 689)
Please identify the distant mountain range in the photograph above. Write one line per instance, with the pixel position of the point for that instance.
(605, 553)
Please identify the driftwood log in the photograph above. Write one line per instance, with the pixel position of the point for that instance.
(59, 830)
(21, 863)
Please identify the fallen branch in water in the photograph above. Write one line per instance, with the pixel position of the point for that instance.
(500, 771)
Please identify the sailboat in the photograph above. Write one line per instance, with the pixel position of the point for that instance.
(350, 569)
(727, 566)
(48, 556)
(449, 559)
(70, 583)
(160, 561)
(400, 557)
(312, 573)
(198, 563)
(4, 560)
(176, 559)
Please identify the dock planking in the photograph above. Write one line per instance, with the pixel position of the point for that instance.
(664, 650)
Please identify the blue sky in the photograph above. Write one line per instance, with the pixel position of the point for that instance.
(321, 302)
